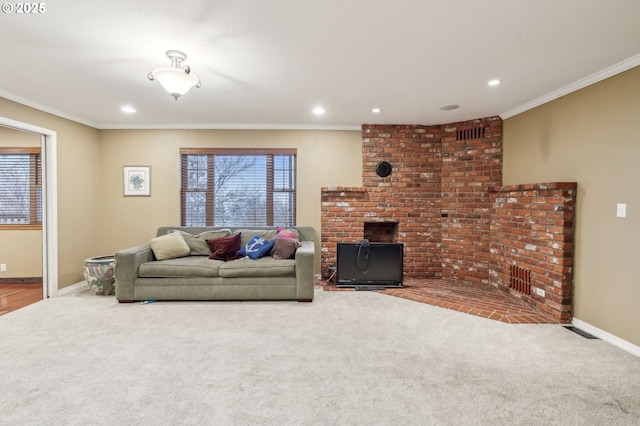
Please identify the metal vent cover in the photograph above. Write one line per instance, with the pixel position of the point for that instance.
(470, 133)
(520, 279)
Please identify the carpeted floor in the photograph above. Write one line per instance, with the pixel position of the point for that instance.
(348, 358)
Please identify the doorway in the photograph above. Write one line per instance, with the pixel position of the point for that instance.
(48, 149)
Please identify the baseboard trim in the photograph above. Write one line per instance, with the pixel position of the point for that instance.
(21, 280)
(72, 288)
(607, 337)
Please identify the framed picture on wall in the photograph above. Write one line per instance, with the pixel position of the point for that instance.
(137, 181)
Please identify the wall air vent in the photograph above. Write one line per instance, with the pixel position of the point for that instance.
(470, 133)
(520, 280)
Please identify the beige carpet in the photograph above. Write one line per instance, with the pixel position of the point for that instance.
(348, 358)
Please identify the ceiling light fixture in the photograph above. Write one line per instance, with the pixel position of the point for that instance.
(177, 79)
(128, 109)
(449, 107)
(318, 111)
(375, 110)
(494, 82)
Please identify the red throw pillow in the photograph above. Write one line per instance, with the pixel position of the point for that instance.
(225, 248)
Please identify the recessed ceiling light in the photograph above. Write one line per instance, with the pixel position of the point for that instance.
(376, 110)
(449, 107)
(494, 82)
(318, 111)
(128, 109)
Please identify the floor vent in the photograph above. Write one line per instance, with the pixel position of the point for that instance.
(520, 280)
(471, 133)
(580, 332)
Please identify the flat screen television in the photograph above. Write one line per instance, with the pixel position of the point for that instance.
(367, 264)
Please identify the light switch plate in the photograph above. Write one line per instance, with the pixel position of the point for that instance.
(621, 210)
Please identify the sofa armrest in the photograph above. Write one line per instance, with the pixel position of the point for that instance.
(305, 258)
(127, 265)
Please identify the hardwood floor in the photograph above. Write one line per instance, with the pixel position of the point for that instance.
(18, 295)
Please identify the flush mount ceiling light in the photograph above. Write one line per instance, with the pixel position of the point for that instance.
(494, 82)
(177, 79)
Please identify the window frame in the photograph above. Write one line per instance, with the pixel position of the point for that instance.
(35, 184)
(209, 191)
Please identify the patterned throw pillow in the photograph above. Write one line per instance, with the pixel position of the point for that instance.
(256, 247)
(225, 248)
(287, 233)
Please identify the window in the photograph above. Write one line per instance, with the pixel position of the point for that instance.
(225, 187)
(20, 188)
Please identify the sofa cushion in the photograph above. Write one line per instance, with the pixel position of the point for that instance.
(247, 234)
(225, 248)
(256, 247)
(190, 266)
(198, 243)
(263, 267)
(169, 246)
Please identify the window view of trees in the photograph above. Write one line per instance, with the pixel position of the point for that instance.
(20, 187)
(238, 189)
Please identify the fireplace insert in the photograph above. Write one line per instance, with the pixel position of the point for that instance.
(366, 265)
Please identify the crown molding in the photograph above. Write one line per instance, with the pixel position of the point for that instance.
(625, 65)
(43, 108)
(229, 126)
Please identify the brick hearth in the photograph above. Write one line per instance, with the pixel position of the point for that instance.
(480, 300)
(445, 203)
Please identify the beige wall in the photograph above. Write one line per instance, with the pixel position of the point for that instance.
(20, 249)
(325, 158)
(93, 216)
(79, 178)
(591, 137)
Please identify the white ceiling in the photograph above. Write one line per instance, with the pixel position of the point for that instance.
(267, 64)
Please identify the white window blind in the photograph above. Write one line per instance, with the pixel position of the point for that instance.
(20, 187)
(224, 187)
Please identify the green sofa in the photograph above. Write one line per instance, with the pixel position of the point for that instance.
(139, 276)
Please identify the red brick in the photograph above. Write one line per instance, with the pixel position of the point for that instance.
(488, 226)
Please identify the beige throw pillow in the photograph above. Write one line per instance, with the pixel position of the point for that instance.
(198, 243)
(169, 246)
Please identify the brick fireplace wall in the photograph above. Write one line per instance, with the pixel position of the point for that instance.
(471, 164)
(531, 249)
(444, 202)
(409, 198)
(437, 194)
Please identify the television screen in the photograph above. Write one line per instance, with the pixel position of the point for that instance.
(369, 264)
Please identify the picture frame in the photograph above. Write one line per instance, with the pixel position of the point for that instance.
(136, 181)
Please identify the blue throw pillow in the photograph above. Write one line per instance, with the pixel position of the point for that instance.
(256, 247)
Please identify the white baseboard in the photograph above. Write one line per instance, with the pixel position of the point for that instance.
(71, 288)
(607, 337)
